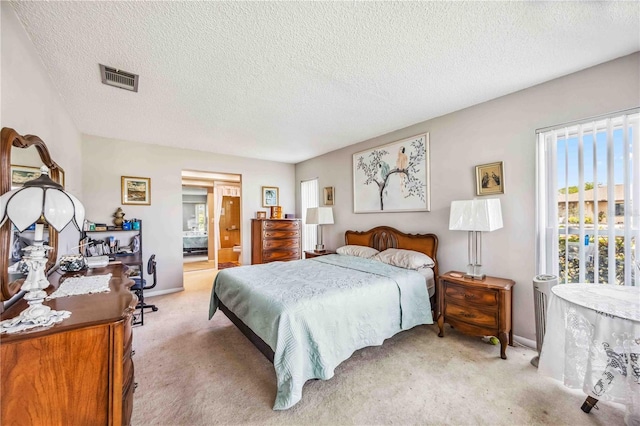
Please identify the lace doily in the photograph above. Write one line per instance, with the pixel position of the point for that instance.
(82, 285)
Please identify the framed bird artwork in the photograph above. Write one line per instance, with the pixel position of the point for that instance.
(392, 177)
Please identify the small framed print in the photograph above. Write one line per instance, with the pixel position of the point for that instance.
(490, 179)
(261, 215)
(22, 174)
(136, 190)
(329, 193)
(269, 196)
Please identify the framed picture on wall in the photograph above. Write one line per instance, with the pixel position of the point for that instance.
(490, 179)
(329, 193)
(22, 174)
(269, 196)
(392, 177)
(61, 172)
(136, 190)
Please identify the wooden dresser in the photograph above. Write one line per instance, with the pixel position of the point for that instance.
(275, 239)
(77, 372)
(476, 307)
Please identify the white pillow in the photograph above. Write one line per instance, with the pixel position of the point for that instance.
(407, 259)
(360, 251)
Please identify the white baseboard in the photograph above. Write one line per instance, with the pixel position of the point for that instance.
(525, 342)
(161, 292)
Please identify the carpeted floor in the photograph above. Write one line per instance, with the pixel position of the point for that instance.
(192, 371)
(207, 264)
(198, 266)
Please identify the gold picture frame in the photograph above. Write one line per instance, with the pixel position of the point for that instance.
(261, 215)
(22, 174)
(136, 190)
(329, 195)
(270, 196)
(490, 178)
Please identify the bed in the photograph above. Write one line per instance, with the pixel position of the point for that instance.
(308, 316)
(194, 242)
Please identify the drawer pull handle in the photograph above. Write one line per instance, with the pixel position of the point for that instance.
(133, 352)
(469, 296)
(466, 315)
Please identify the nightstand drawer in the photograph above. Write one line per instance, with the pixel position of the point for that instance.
(471, 295)
(470, 315)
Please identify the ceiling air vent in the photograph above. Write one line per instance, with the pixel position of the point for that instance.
(118, 78)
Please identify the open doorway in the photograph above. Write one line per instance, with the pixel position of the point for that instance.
(211, 220)
(195, 228)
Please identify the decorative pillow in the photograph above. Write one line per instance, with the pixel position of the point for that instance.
(360, 251)
(407, 259)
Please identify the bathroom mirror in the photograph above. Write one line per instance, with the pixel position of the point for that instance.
(22, 154)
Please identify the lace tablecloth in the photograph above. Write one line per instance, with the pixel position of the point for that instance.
(82, 285)
(592, 342)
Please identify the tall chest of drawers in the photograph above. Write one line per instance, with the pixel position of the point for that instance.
(275, 239)
(77, 372)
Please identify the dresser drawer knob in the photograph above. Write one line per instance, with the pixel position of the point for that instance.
(467, 315)
(469, 296)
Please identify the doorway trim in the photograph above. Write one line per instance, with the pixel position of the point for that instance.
(210, 180)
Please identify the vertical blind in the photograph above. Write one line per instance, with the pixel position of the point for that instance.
(588, 200)
(309, 198)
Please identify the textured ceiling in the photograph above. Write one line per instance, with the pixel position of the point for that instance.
(288, 81)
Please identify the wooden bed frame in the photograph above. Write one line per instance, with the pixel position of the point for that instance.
(380, 238)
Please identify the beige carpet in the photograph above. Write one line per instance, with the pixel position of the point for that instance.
(192, 371)
(198, 265)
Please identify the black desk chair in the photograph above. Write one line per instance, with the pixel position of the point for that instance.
(141, 285)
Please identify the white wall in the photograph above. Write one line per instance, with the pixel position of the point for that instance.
(106, 160)
(31, 105)
(499, 130)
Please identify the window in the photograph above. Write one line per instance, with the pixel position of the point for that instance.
(201, 217)
(309, 198)
(588, 200)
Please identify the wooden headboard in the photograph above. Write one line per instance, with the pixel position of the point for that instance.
(384, 237)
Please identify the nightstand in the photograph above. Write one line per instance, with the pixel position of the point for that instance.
(477, 307)
(310, 254)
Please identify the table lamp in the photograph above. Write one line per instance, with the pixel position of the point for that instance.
(39, 201)
(319, 216)
(475, 216)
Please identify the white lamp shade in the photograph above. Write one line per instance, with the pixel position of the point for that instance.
(319, 216)
(475, 215)
(24, 206)
(60, 208)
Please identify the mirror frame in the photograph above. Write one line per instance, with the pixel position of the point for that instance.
(9, 138)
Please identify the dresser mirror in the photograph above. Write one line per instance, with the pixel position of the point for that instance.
(19, 157)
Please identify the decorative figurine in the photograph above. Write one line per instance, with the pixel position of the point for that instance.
(119, 217)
